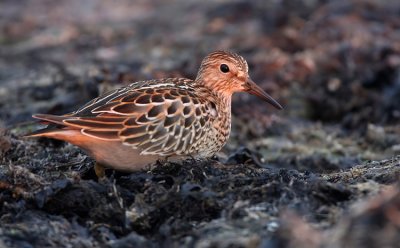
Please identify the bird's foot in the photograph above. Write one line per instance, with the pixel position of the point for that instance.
(100, 171)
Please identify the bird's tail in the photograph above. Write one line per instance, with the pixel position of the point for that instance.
(55, 124)
(44, 132)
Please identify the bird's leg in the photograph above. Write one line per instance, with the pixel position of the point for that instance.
(99, 170)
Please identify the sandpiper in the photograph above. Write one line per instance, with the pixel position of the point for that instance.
(147, 121)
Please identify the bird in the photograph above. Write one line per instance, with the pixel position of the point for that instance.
(156, 120)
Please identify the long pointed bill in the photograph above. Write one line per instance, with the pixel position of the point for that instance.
(254, 89)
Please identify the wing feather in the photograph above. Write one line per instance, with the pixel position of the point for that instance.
(158, 117)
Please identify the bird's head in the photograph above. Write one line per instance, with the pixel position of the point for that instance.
(227, 73)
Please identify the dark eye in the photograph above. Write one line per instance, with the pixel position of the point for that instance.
(224, 68)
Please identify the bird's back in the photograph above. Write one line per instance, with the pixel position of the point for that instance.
(168, 117)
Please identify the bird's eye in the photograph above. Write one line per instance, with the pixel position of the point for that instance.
(224, 68)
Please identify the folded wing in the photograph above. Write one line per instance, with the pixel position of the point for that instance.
(163, 121)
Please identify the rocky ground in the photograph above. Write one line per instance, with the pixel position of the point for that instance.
(324, 172)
